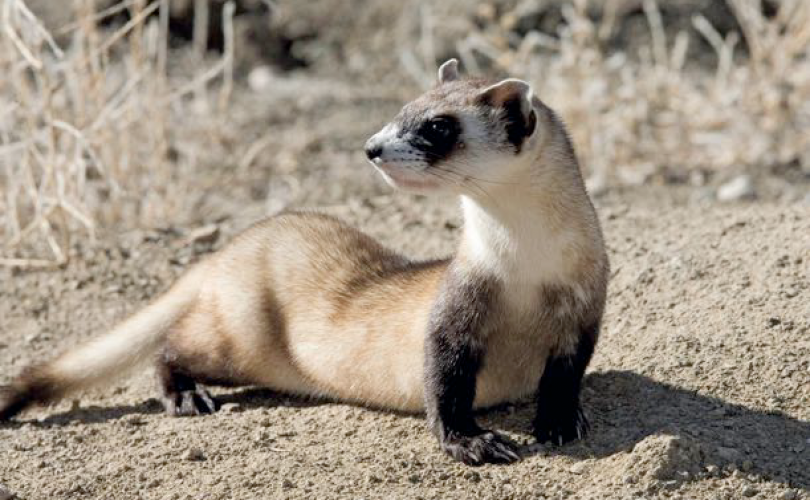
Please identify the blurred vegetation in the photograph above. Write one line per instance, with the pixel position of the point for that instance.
(100, 99)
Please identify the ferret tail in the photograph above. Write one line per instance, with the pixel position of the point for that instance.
(105, 358)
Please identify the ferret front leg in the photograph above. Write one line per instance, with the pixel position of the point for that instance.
(453, 357)
(559, 417)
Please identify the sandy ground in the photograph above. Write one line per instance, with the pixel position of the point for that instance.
(700, 387)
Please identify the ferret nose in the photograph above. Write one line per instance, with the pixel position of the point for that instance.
(373, 149)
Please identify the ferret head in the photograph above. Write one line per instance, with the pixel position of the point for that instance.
(462, 136)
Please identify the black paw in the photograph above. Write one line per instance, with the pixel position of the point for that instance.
(486, 447)
(191, 402)
(560, 428)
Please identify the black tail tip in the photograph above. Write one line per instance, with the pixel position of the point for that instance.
(13, 401)
(34, 385)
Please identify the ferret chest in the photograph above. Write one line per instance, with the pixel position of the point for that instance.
(516, 350)
(526, 325)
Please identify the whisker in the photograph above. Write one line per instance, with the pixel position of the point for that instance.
(464, 174)
(463, 181)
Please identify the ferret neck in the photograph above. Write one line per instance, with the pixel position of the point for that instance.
(529, 235)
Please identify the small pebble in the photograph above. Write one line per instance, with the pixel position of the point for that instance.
(230, 408)
(473, 476)
(260, 78)
(287, 484)
(194, 455)
(738, 188)
(747, 465)
(749, 491)
(578, 468)
(789, 495)
(206, 235)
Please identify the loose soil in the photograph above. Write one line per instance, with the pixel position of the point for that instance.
(700, 387)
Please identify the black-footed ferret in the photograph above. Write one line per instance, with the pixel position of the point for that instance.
(304, 304)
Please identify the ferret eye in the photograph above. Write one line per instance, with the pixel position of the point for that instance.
(437, 137)
(438, 129)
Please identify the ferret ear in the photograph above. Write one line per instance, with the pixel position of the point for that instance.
(448, 71)
(513, 98)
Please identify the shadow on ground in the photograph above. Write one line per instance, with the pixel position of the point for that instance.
(624, 408)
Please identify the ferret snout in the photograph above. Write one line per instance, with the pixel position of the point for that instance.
(374, 148)
(380, 143)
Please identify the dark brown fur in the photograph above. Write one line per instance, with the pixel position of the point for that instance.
(33, 386)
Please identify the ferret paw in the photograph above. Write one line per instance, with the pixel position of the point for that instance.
(560, 428)
(191, 402)
(486, 447)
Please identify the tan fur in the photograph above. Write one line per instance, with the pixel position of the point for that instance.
(305, 304)
(311, 313)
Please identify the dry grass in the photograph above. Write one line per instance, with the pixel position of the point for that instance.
(86, 130)
(633, 115)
